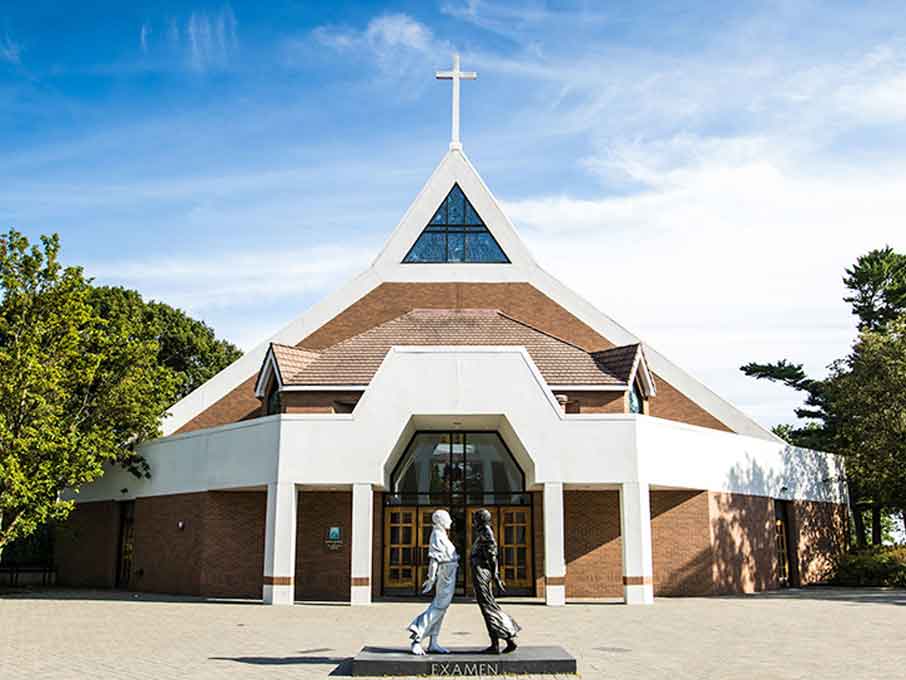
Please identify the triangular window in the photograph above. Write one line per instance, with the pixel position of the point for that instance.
(456, 234)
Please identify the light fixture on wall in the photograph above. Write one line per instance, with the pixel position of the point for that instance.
(180, 525)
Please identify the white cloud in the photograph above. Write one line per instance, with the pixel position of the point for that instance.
(10, 51)
(399, 45)
(235, 280)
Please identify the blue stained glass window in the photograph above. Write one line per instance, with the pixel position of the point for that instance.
(456, 206)
(456, 233)
(483, 248)
(456, 247)
(430, 247)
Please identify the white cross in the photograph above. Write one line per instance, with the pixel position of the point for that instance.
(456, 75)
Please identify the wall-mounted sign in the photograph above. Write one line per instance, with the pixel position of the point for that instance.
(334, 540)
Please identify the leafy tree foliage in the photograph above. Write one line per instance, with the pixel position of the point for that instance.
(868, 390)
(78, 388)
(878, 288)
(185, 345)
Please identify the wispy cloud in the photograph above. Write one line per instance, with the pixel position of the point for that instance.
(397, 43)
(10, 51)
(143, 34)
(201, 41)
(235, 279)
(211, 38)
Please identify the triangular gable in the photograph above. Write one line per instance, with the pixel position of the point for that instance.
(454, 170)
(456, 234)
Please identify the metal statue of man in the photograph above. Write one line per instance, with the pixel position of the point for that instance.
(442, 565)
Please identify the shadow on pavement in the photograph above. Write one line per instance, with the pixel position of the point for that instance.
(344, 663)
(895, 596)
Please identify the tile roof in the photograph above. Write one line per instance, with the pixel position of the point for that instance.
(355, 360)
(292, 362)
(617, 361)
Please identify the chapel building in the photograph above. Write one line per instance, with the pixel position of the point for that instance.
(457, 373)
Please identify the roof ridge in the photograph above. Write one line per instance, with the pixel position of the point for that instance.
(543, 332)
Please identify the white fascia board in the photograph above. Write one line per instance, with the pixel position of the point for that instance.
(387, 267)
(268, 368)
(589, 388)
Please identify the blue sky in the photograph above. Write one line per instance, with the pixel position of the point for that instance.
(703, 172)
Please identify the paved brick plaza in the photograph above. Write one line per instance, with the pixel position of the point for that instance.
(817, 633)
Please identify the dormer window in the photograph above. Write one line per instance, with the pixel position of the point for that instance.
(636, 402)
(456, 233)
(274, 403)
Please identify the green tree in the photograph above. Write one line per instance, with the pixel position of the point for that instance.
(185, 345)
(868, 391)
(877, 295)
(877, 284)
(78, 390)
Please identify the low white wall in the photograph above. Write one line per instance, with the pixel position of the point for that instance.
(680, 455)
(232, 456)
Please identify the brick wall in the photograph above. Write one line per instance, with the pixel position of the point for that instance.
(85, 546)
(167, 559)
(680, 537)
(596, 402)
(218, 553)
(681, 543)
(743, 536)
(390, 300)
(594, 560)
(323, 574)
(819, 531)
(233, 544)
(315, 402)
(669, 403)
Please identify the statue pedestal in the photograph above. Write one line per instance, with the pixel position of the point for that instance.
(379, 661)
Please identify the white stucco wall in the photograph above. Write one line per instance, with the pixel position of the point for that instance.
(489, 388)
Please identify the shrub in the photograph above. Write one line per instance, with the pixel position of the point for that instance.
(872, 567)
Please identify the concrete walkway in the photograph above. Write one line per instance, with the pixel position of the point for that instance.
(816, 633)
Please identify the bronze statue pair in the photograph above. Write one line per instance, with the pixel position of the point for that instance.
(442, 564)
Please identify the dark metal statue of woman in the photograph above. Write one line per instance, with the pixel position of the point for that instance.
(484, 577)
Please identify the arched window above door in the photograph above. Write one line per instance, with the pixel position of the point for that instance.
(453, 468)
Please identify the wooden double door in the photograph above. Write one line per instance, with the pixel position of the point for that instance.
(407, 534)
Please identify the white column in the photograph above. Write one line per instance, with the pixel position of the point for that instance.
(362, 531)
(280, 544)
(635, 527)
(554, 553)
